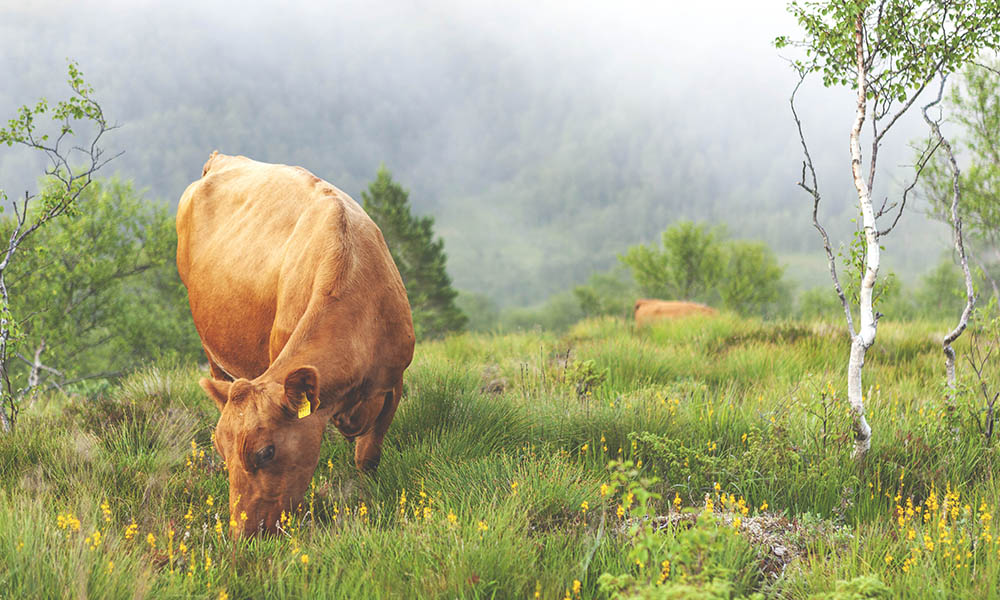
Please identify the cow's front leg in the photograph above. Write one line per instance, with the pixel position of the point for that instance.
(368, 447)
(218, 373)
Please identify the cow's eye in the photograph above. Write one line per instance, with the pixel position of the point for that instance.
(265, 454)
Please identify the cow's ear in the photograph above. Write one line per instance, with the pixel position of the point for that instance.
(302, 391)
(217, 390)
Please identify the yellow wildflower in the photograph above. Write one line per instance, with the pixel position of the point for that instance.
(94, 540)
(68, 521)
(664, 570)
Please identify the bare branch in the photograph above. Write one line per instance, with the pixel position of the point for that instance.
(925, 157)
(813, 189)
(993, 282)
(987, 67)
(35, 374)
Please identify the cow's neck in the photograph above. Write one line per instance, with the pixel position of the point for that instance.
(339, 384)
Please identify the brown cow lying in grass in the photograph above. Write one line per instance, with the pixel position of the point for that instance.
(304, 319)
(647, 311)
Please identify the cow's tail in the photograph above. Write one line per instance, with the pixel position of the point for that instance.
(208, 163)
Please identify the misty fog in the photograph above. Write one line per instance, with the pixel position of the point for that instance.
(544, 137)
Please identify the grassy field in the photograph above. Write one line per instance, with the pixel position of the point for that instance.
(495, 481)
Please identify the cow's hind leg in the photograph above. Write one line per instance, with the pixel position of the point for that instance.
(368, 447)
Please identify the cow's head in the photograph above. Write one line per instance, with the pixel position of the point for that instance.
(270, 443)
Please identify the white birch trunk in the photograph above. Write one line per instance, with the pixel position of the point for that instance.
(865, 336)
(956, 230)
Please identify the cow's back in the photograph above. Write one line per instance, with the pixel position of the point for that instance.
(259, 244)
(648, 311)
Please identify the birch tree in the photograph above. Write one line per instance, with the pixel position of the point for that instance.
(887, 51)
(70, 170)
(955, 219)
(974, 106)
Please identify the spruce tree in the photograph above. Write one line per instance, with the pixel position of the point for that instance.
(419, 257)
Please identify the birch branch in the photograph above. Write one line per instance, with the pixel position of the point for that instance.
(813, 189)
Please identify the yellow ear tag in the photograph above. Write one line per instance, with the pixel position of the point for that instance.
(305, 409)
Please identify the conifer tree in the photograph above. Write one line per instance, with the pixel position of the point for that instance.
(419, 257)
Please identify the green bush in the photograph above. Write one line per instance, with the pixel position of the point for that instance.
(101, 290)
(751, 281)
(686, 267)
(698, 263)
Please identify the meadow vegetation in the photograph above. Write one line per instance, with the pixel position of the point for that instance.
(551, 452)
(702, 458)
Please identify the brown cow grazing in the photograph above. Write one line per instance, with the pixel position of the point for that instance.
(649, 311)
(304, 319)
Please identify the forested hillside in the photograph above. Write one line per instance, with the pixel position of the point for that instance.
(542, 150)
